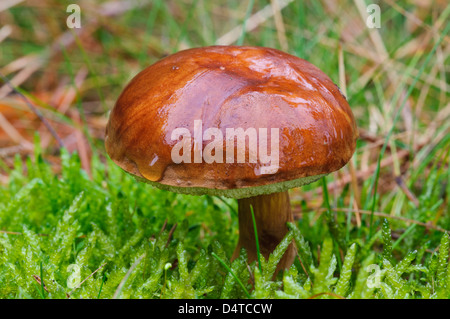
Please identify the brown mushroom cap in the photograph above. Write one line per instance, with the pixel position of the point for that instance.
(231, 87)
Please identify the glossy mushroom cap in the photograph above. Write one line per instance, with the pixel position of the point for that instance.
(231, 87)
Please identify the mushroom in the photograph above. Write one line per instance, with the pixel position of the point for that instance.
(243, 122)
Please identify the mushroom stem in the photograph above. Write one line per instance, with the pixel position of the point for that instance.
(272, 212)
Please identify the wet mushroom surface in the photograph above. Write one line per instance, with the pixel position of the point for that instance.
(242, 122)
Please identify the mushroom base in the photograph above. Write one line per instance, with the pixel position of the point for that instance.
(272, 212)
